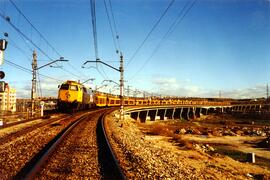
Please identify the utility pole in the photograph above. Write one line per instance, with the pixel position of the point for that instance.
(34, 78)
(121, 68)
(219, 94)
(34, 82)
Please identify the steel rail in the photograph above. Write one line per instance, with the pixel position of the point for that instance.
(30, 170)
(114, 170)
(34, 166)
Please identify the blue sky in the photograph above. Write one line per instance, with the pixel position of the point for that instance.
(220, 45)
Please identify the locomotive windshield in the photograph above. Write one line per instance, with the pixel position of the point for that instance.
(73, 88)
(64, 87)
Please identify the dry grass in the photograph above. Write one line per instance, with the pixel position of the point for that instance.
(161, 129)
(209, 128)
(168, 131)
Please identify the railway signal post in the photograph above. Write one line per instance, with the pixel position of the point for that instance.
(3, 46)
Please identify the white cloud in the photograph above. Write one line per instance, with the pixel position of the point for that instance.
(161, 85)
(166, 82)
(21, 93)
(172, 86)
(253, 92)
(48, 88)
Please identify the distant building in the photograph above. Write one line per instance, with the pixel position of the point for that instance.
(7, 98)
(23, 105)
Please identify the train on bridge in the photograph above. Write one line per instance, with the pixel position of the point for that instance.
(74, 95)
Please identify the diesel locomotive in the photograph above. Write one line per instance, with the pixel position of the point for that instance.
(73, 95)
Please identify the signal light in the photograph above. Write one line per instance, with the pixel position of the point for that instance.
(2, 74)
(3, 44)
(2, 86)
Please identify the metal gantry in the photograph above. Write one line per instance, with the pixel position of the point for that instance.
(121, 70)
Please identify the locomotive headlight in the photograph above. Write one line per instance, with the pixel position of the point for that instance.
(67, 95)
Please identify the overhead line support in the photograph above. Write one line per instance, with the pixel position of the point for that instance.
(34, 83)
(98, 61)
(121, 70)
(34, 78)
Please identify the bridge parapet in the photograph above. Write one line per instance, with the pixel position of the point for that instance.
(153, 113)
(249, 108)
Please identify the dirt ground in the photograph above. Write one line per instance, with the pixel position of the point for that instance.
(216, 136)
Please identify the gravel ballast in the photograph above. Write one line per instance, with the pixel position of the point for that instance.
(148, 157)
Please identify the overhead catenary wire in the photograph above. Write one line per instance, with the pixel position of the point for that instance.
(3, 8)
(114, 34)
(96, 68)
(29, 71)
(94, 29)
(13, 43)
(182, 14)
(111, 27)
(102, 69)
(150, 32)
(75, 69)
(189, 7)
(26, 43)
(26, 37)
(94, 26)
(41, 35)
(29, 40)
(115, 29)
(69, 72)
(104, 76)
(2, 13)
(18, 66)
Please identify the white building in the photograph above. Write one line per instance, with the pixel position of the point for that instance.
(7, 98)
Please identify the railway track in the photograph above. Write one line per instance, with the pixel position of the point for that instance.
(27, 129)
(20, 143)
(110, 168)
(6, 125)
(81, 150)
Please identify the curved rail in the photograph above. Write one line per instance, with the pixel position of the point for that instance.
(31, 168)
(110, 167)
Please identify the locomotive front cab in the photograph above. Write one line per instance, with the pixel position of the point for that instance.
(70, 93)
